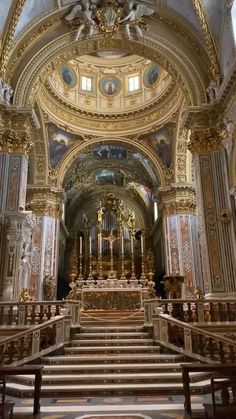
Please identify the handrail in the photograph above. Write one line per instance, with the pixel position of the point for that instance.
(193, 341)
(36, 312)
(32, 343)
(194, 311)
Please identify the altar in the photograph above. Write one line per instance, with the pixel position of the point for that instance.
(111, 299)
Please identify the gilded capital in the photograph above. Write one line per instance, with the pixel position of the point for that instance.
(12, 143)
(45, 201)
(208, 140)
(177, 200)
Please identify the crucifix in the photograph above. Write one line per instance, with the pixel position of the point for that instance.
(111, 238)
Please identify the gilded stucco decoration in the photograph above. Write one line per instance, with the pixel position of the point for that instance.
(208, 140)
(177, 200)
(45, 201)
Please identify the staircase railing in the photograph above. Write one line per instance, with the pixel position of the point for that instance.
(192, 311)
(37, 312)
(192, 341)
(34, 342)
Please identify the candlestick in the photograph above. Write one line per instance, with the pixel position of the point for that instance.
(80, 245)
(132, 244)
(90, 245)
(101, 244)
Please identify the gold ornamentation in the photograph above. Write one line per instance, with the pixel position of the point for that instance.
(108, 17)
(210, 43)
(208, 141)
(45, 201)
(178, 200)
(112, 300)
(12, 143)
(24, 295)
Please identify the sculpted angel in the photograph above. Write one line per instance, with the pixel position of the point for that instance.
(84, 11)
(134, 11)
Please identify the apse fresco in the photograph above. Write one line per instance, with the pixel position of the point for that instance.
(59, 142)
(109, 177)
(161, 142)
(106, 151)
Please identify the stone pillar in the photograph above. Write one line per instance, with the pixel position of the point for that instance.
(15, 223)
(180, 231)
(46, 204)
(214, 209)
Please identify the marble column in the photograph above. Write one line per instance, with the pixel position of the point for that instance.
(46, 204)
(214, 208)
(180, 232)
(15, 223)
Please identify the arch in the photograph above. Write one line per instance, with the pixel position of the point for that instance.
(75, 151)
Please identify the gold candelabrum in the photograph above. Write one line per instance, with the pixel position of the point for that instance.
(90, 277)
(143, 275)
(133, 277)
(80, 277)
(100, 276)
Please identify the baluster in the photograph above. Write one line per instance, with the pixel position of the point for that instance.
(58, 310)
(49, 313)
(201, 345)
(233, 386)
(211, 348)
(10, 316)
(186, 312)
(1, 315)
(212, 312)
(33, 315)
(221, 352)
(193, 312)
(41, 314)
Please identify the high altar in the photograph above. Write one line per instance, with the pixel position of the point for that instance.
(110, 268)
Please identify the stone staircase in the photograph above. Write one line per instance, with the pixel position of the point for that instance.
(109, 354)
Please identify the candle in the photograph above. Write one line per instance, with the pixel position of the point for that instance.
(90, 245)
(80, 245)
(100, 244)
(122, 245)
(132, 245)
(142, 244)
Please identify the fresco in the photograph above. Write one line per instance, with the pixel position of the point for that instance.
(32, 10)
(144, 192)
(68, 75)
(110, 86)
(59, 142)
(109, 177)
(152, 75)
(106, 151)
(161, 142)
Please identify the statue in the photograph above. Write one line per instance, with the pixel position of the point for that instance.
(6, 92)
(49, 288)
(84, 11)
(24, 295)
(198, 293)
(100, 212)
(133, 13)
(211, 91)
(73, 292)
(131, 220)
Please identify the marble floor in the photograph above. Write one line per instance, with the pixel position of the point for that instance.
(139, 407)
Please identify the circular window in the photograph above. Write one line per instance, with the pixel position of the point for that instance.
(110, 86)
(68, 75)
(151, 75)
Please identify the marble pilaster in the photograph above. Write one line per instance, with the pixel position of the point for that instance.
(46, 204)
(180, 232)
(214, 207)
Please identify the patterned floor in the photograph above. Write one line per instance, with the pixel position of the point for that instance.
(140, 407)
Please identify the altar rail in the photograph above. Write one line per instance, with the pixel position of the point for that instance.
(37, 341)
(191, 311)
(32, 313)
(193, 341)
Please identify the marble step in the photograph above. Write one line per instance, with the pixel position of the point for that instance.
(108, 329)
(116, 358)
(125, 378)
(110, 335)
(22, 390)
(111, 368)
(115, 323)
(109, 349)
(112, 342)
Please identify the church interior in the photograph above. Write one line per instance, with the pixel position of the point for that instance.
(118, 209)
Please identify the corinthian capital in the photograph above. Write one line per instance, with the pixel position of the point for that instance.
(208, 140)
(12, 143)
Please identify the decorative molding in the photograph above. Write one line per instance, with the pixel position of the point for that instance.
(214, 71)
(208, 140)
(177, 199)
(45, 201)
(12, 143)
